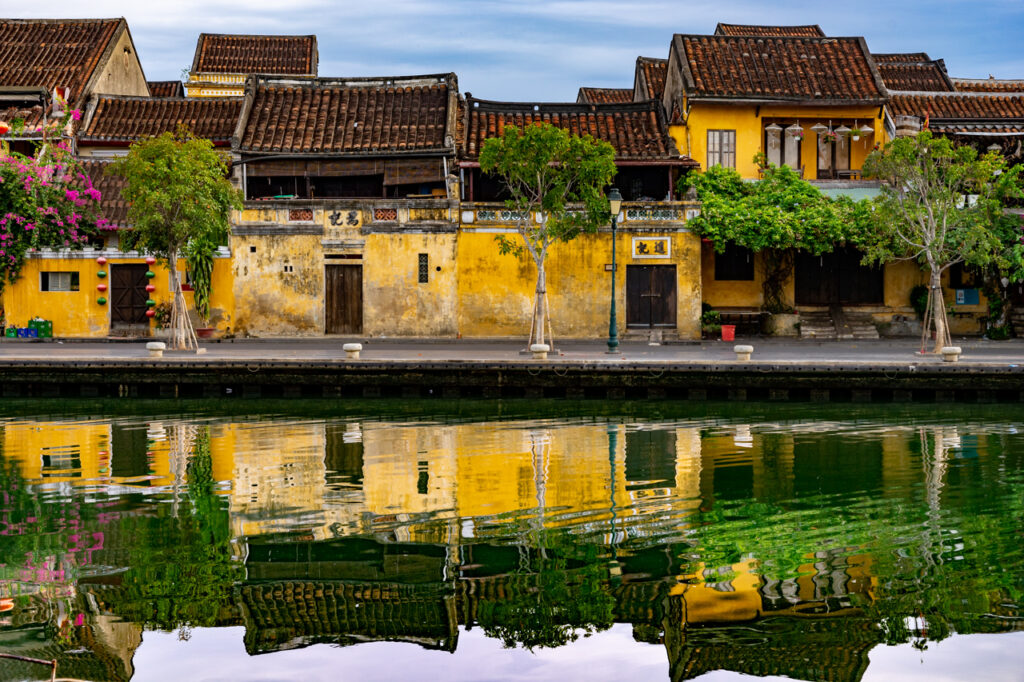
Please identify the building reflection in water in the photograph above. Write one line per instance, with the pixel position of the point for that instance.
(824, 538)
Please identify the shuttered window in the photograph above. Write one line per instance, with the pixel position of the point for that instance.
(722, 148)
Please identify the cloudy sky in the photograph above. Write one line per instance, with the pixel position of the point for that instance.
(540, 50)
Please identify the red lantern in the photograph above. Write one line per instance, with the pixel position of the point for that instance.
(101, 261)
(150, 288)
(150, 313)
(150, 260)
(4, 128)
(101, 287)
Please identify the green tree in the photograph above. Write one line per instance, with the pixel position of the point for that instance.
(941, 204)
(556, 182)
(774, 216)
(179, 202)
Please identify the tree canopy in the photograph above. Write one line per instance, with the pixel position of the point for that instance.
(774, 216)
(556, 182)
(179, 204)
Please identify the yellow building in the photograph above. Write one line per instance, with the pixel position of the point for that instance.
(222, 62)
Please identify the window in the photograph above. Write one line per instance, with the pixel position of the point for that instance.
(424, 267)
(58, 281)
(735, 263)
(722, 148)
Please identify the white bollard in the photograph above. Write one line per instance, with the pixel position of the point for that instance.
(352, 350)
(742, 352)
(156, 349)
(951, 353)
(540, 351)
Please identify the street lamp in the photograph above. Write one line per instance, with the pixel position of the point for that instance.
(614, 204)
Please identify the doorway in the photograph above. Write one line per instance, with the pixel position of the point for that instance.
(128, 298)
(344, 300)
(837, 278)
(650, 295)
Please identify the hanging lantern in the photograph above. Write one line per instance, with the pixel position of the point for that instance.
(795, 131)
(150, 288)
(150, 302)
(101, 274)
(866, 130)
(150, 313)
(819, 128)
(843, 130)
(101, 261)
(150, 274)
(102, 300)
(150, 261)
(774, 131)
(101, 287)
(5, 127)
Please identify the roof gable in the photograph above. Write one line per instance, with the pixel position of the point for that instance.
(805, 31)
(900, 57)
(799, 70)
(915, 76)
(245, 54)
(637, 130)
(649, 79)
(166, 88)
(604, 95)
(358, 116)
(988, 85)
(959, 106)
(125, 119)
(54, 52)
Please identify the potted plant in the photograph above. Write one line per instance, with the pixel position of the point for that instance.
(830, 136)
(710, 322)
(199, 257)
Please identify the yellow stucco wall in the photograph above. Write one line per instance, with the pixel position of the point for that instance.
(77, 313)
(496, 291)
(270, 301)
(747, 121)
(395, 303)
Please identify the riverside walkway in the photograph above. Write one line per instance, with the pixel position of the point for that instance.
(780, 369)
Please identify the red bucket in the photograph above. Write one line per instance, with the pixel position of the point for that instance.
(728, 332)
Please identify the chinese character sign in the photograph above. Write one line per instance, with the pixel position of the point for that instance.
(652, 247)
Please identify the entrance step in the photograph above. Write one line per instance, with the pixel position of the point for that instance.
(817, 324)
(861, 325)
(1017, 321)
(652, 336)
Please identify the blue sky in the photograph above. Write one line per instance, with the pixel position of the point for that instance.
(543, 51)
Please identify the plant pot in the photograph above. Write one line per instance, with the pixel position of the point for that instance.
(205, 332)
(728, 332)
(782, 324)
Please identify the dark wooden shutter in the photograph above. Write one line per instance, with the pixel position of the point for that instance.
(128, 295)
(344, 313)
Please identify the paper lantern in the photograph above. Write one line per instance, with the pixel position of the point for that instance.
(101, 261)
(150, 260)
(101, 287)
(102, 300)
(150, 313)
(101, 274)
(150, 302)
(150, 274)
(150, 288)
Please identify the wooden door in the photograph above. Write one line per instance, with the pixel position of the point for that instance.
(344, 300)
(128, 296)
(837, 278)
(650, 295)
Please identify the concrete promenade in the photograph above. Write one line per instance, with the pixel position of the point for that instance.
(775, 351)
(780, 369)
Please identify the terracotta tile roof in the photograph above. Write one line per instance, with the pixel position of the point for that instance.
(831, 70)
(124, 119)
(112, 206)
(604, 95)
(271, 54)
(637, 130)
(807, 31)
(915, 76)
(166, 88)
(988, 85)
(901, 57)
(356, 116)
(977, 128)
(25, 104)
(54, 52)
(959, 106)
(649, 81)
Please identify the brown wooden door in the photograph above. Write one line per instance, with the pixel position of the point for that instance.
(128, 296)
(344, 313)
(650, 295)
(837, 278)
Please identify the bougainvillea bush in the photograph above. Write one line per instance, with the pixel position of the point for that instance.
(46, 201)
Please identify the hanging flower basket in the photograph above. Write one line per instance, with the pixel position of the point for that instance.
(830, 136)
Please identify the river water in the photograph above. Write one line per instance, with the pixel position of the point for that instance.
(511, 541)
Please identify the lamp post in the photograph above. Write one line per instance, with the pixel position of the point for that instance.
(614, 204)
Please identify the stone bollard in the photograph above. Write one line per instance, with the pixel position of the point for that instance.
(352, 350)
(951, 353)
(540, 351)
(743, 352)
(156, 349)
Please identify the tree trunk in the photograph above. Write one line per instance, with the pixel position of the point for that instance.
(183, 337)
(938, 310)
(539, 306)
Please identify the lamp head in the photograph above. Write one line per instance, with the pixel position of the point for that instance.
(614, 201)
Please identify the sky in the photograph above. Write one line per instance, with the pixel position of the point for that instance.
(536, 50)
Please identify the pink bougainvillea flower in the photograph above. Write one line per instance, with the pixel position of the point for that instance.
(76, 115)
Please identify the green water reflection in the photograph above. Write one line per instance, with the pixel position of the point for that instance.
(728, 538)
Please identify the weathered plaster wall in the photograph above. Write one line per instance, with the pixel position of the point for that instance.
(395, 303)
(270, 301)
(122, 74)
(496, 292)
(77, 314)
(691, 139)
